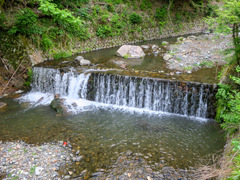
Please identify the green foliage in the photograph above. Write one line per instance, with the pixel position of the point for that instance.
(46, 42)
(110, 8)
(117, 24)
(104, 31)
(145, 5)
(228, 21)
(32, 170)
(228, 104)
(26, 23)
(28, 81)
(1, 3)
(64, 18)
(161, 13)
(135, 18)
(61, 54)
(83, 13)
(2, 20)
(206, 64)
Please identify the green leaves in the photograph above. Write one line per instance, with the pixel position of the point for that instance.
(135, 18)
(228, 102)
(26, 23)
(64, 18)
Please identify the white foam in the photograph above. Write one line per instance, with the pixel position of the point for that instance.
(76, 106)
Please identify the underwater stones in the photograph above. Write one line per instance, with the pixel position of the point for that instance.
(129, 51)
(3, 105)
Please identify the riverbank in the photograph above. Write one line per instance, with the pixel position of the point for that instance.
(195, 52)
(19, 160)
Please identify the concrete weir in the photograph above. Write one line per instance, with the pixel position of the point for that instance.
(184, 98)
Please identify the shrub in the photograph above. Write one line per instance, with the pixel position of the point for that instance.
(83, 13)
(110, 8)
(228, 110)
(104, 31)
(46, 42)
(135, 18)
(117, 24)
(26, 23)
(2, 20)
(161, 13)
(65, 19)
(2, 3)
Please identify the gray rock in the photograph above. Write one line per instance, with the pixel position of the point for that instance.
(155, 47)
(129, 153)
(145, 46)
(78, 58)
(129, 51)
(79, 158)
(58, 105)
(3, 105)
(67, 177)
(166, 57)
(84, 62)
(38, 170)
(192, 37)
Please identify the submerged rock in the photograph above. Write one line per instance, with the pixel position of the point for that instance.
(3, 105)
(58, 105)
(129, 51)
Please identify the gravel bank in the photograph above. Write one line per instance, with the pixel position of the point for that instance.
(194, 52)
(19, 160)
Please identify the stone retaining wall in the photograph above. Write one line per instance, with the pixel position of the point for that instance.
(146, 34)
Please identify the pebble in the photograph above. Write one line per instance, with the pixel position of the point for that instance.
(198, 50)
(19, 160)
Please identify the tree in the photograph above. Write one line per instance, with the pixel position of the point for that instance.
(228, 21)
(1, 3)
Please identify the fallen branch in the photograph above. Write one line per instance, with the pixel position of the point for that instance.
(11, 78)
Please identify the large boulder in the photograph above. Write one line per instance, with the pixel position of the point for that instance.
(82, 61)
(130, 51)
(58, 105)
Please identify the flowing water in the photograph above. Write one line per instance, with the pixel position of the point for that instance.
(110, 113)
(162, 121)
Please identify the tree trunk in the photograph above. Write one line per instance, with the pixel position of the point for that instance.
(236, 42)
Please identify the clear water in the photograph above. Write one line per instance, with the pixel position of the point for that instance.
(102, 133)
(149, 66)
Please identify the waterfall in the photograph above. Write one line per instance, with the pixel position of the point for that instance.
(184, 98)
(53, 81)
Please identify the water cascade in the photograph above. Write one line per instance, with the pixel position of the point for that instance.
(185, 98)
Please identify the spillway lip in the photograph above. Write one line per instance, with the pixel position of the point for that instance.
(113, 72)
